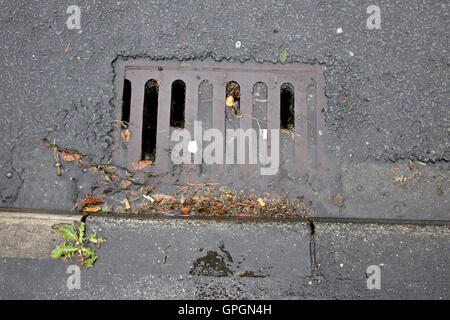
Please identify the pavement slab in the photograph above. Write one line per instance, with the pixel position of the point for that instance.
(30, 234)
(412, 260)
(173, 258)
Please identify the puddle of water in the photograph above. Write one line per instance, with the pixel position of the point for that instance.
(220, 264)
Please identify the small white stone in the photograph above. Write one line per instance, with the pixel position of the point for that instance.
(238, 44)
(341, 265)
(339, 30)
(192, 146)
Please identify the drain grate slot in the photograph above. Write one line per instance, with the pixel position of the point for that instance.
(287, 114)
(177, 106)
(162, 96)
(126, 103)
(150, 120)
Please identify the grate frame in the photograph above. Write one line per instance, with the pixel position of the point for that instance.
(308, 142)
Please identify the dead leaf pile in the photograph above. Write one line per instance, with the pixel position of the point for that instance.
(202, 199)
(133, 195)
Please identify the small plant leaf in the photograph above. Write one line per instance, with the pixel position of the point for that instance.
(66, 250)
(88, 251)
(90, 257)
(81, 231)
(93, 238)
(89, 262)
(68, 232)
(283, 56)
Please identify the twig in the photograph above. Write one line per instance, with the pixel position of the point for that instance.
(56, 156)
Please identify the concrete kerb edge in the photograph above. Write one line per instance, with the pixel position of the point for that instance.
(72, 216)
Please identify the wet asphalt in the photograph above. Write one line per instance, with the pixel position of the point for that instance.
(387, 102)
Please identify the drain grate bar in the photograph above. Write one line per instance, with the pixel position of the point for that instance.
(301, 128)
(218, 120)
(136, 109)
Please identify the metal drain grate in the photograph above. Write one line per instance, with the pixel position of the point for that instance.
(299, 85)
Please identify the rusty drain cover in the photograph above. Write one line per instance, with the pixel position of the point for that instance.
(158, 97)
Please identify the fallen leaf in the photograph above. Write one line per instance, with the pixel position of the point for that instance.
(127, 204)
(229, 101)
(241, 274)
(90, 201)
(242, 214)
(134, 192)
(69, 157)
(139, 165)
(411, 165)
(126, 134)
(160, 196)
(261, 202)
(93, 209)
(245, 204)
(125, 183)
